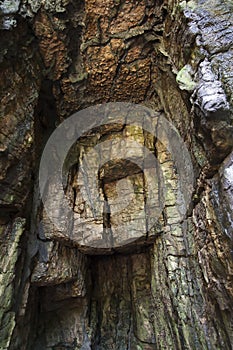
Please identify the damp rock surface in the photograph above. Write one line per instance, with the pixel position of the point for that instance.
(171, 287)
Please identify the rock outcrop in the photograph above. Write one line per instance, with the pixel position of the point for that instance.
(166, 287)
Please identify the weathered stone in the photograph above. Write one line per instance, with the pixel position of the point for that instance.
(170, 287)
(10, 251)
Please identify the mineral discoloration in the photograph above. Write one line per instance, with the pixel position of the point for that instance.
(174, 292)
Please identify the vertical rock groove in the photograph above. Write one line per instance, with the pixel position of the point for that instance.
(171, 288)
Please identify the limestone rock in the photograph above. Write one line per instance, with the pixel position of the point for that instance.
(170, 287)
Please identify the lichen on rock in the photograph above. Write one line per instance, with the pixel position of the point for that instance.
(171, 287)
(185, 80)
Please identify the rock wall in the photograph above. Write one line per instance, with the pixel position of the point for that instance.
(172, 288)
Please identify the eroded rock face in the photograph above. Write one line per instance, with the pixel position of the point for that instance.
(116, 186)
(170, 288)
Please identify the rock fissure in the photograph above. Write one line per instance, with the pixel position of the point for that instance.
(170, 286)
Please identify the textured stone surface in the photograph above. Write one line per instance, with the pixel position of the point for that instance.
(174, 289)
(10, 251)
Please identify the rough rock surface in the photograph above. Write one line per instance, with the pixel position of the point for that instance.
(173, 288)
